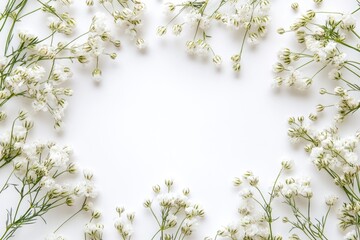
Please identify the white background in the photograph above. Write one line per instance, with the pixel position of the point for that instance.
(161, 114)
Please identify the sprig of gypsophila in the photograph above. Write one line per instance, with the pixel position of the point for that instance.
(175, 214)
(296, 192)
(126, 14)
(93, 229)
(11, 142)
(326, 44)
(250, 17)
(338, 157)
(123, 223)
(38, 178)
(256, 209)
(34, 67)
(256, 218)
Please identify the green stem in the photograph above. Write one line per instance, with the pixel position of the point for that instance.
(72, 216)
(10, 33)
(347, 45)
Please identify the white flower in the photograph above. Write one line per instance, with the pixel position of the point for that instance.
(94, 230)
(335, 74)
(60, 74)
(287, 163)
(99, 24)
(96, 74)
(88, 174)
(331, 200)
(246, 193)
(348, 21)
(339, 59)
(87, 189)
(19, 131)
(193, 17)
(59, 156)
(140, 43)
(330, 47)
(47, 183)
(96, 46)
(205, 22)
(123, 226)
(352, 235)
(168, 8)
(54, 236)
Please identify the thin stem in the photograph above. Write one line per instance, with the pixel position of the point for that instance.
(347, 45)
(7, 181)
(72, 216)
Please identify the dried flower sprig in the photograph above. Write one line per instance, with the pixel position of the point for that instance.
(339, 159)
(175, 214)
(250, 17)
(11, 142)
(124, 222)
(38, 178)
(34, 67)
(93, 229)
(295, 192)
(255, 212)
(326, 45)
(257, 221)
(128, 15)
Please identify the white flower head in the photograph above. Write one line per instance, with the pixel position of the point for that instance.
(54, 236)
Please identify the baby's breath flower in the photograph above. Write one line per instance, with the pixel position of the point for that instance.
(54, 236)
(249, 17)
(156, 189)
(173, 205)
(295, 5)
(161, 30)
(352, 235)
(237, 182)
(331, 200)
(140, 43)
(217, 60)
(177, 29)
(287, 164)
(96, 74)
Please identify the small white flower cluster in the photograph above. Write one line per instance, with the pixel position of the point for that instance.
(32, 67)
(62, 22)
(124, 223)
(96, 44)
(94, 231)
(127, 14)
(12, 142)
(87, 187)
(352, 235)
(253, 16)
(39, 169)
(54, 236)
(249, 16)
(253, 222)
(41, 164)
(177, 212)
(294, 187)
(337, 154)
(348, 216)
(346, 103)
(46, 95)
(326, 45)
(328, 151)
